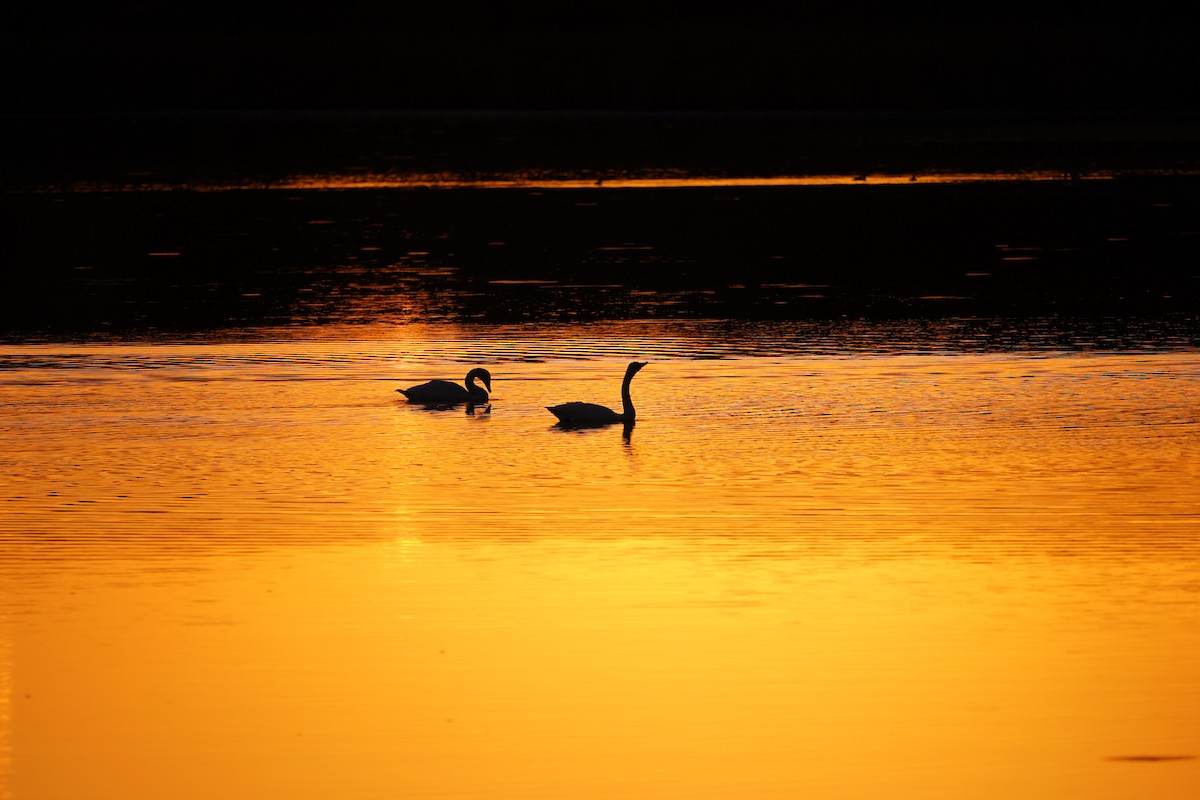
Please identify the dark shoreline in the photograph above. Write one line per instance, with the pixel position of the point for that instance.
(533, 54)
(198, 149)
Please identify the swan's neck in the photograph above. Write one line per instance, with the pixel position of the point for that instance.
(627, 410)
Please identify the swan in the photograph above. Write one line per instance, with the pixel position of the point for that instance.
(584, 414)
(441, 392)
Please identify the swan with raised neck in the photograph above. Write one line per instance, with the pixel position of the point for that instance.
(577, 414)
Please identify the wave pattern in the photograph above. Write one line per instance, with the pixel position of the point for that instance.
(191, 446)
(326, 351)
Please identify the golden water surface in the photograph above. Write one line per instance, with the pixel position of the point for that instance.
(248, 569)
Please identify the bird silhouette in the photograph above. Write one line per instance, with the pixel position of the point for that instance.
(449, 393)
(580, 415)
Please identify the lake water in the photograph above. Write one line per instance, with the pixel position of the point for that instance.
(908, 511)
(250, 569)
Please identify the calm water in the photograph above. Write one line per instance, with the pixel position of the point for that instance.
(911, 510)
(866, 560)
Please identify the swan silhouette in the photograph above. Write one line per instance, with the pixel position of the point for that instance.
(446, 392)
(589, 414)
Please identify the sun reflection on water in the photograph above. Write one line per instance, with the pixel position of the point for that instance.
(7, 718)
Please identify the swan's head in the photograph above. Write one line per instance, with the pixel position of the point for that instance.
(634, 367)
(482, 375)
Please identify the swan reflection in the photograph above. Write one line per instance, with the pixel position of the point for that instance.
(626, 428)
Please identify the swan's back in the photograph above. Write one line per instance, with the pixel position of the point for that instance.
(583, 413)
(435, 392)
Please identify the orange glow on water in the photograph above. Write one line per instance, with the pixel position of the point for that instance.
(352, 180)
(649, 182)
(253, 571)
